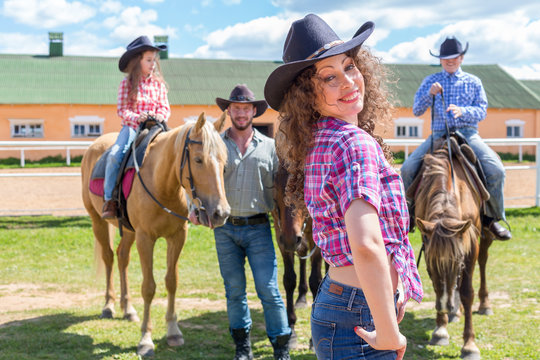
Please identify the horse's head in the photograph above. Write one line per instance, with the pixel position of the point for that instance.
(204, 156)
(289, 224)
(446, 236)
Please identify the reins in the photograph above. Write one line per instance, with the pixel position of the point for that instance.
(185, 154)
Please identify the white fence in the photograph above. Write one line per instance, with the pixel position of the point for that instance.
(406, 143)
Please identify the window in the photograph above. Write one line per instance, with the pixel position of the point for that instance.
(86, 126)
(408, 128)
(26, 128)
(514, 128)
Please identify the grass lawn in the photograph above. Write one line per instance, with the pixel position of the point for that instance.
(51, 259)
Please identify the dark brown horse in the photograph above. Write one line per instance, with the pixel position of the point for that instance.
(448, 214)
(294, 236)
(179, 163)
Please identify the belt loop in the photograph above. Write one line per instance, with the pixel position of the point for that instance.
(351, 299)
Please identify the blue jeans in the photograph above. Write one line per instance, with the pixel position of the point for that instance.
(118, 151)
(336, 311)
(233, 244)
(491, 164)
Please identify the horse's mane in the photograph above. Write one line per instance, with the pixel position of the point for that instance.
(213, 145)
(445, 248)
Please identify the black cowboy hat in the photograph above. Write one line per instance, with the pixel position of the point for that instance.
(140, 44)
(450, 48)
(309, 40)
(241, 94)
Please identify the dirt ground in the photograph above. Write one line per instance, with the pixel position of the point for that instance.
(61, 196)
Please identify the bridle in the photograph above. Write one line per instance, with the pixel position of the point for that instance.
(196, 202)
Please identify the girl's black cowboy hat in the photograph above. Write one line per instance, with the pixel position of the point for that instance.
(450, 48)
(241, 94)
(140, 44)
(309, 40)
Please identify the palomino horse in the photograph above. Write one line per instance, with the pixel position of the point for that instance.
(200, 148)
(293, 234)
(448, 214)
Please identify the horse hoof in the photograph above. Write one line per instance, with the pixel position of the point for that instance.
(132, 317)
(175, 340)
(485, 311)
(439, 341)
(293, 341)
(145, 350)
(301, 304)
(470, 354)
(107, 314)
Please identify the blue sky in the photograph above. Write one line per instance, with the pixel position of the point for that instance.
(498, 31)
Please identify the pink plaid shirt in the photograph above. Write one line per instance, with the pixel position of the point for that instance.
(151, 97)
(344, 164)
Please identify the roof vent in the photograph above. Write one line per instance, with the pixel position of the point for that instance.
(56, 44)
(162, 40)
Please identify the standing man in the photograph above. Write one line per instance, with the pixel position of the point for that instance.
(249, 181)
(459, 98)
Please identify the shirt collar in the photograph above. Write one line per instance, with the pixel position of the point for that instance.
(458, 73)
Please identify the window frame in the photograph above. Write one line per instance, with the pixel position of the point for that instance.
(16, 123)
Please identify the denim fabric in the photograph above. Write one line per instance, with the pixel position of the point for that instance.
(233, 245)
(333, 319)
(491, 164)
(119, 149)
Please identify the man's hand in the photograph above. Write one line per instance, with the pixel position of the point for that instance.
(435, 89)
(456, 110)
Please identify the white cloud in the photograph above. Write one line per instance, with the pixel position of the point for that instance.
(47, 13)
(17, 43)
(109, 6)
(250, 40)
(133, 22)
(525, 72)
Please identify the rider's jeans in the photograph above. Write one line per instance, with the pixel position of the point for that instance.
(491, 164)
(118, 151)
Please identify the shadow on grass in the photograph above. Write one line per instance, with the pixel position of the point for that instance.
(45, 337)
(42, 222)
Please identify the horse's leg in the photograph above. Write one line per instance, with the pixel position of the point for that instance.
(174, 247)
(455, 311)
(302, 286)
(315, 276)
(123, 254)
(469, 351)
(103, 245)
(485, 242)
(440, 334)
(289, 283)
(145, 247)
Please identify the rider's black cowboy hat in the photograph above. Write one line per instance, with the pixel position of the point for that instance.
(309, 40)
(451, 48)
(242, 94)
(140, 44)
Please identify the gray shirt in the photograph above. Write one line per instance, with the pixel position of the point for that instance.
(249, 178)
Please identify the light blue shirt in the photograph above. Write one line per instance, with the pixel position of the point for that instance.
(462, 89)
(249, 178)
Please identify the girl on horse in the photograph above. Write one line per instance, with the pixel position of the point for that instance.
(142, 94)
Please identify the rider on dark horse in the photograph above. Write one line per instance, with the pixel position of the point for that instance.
(459, 103)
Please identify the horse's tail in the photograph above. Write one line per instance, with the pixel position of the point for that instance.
(99, 264)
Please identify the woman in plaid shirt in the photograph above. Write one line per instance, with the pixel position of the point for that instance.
(142, 93)
(330, 94)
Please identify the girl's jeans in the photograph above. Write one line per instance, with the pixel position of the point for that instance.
(118, 151)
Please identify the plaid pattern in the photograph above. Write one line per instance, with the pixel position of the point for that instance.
(249, 178)
(462, 89)
(345, 164)
(151, 97)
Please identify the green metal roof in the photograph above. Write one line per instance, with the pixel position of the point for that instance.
(27, 79)
(533, 85)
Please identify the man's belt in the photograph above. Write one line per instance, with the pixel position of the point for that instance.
(248, 220)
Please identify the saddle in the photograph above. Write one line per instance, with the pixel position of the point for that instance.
(462, 153)
(146, 133)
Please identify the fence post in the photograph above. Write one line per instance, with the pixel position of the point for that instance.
(22, 157)
(68, 157)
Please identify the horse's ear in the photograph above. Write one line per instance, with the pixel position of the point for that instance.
(464, 226)
(425, 227)
(200, 122)
(220, 123)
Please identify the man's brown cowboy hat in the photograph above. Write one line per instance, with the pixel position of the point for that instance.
(241, 94)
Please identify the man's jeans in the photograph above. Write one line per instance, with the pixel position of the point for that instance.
(233, 244)
(118, 151)
(491, 164)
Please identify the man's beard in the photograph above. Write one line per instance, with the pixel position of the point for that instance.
(243, 127)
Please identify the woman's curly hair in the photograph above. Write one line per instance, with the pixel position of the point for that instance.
(298, 115)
